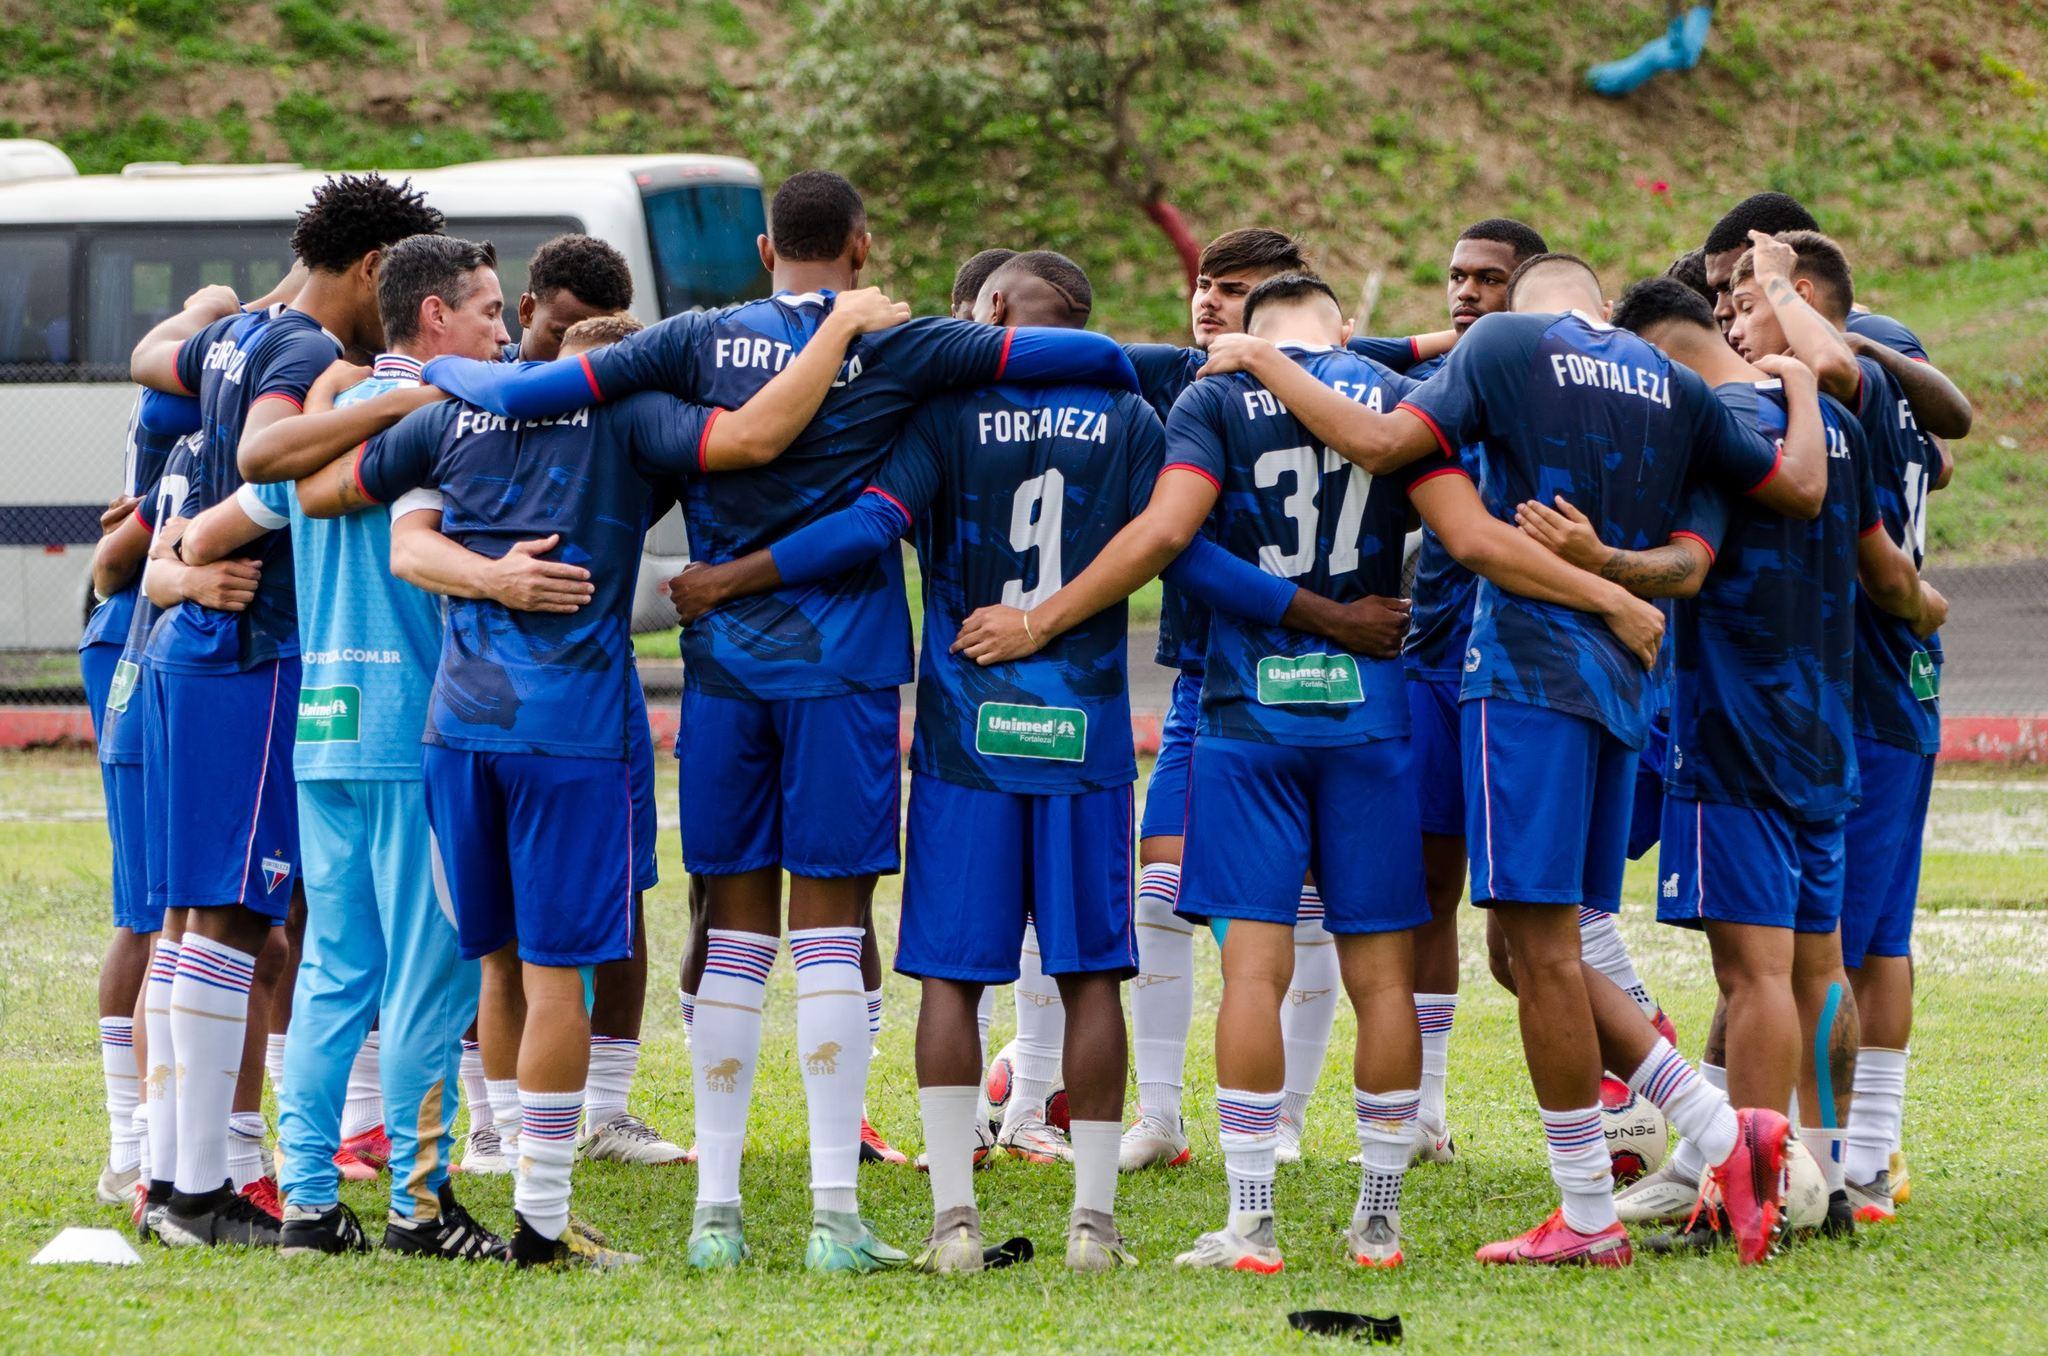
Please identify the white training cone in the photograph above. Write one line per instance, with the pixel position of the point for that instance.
(105, 1246)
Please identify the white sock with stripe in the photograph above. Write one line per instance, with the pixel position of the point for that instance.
(245, 1148)
(832, 1046)
(873, 998)
(613, 1061)
(547, 1149)
(1827, 1147)
(1386, 1132)
(1696, 1108)
(1580, 1167)
(124, 1090)
(1310, 1008)
(1434, 1013)
(1163, 994)
(948, 1114)
(363, 1108)
(1878, 1113)
(162, 1079)
(476, 1091)
(1041, 1033)
(1249, 1123)
(726, 1046)
(209, 1013)
(1601, 946)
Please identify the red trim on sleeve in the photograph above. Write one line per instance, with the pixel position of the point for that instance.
(1003, 358)
(147, 526)
(908, 516)
(356, 469)
(178, 357)
(1439, 471)
(1423, 415)
(1415, 352)
(1877, 526)
(1712, 554)
(1917, 360)
(590, 375)
(1775, 467)
(704, 438)
(296, 403)
(1190, 466)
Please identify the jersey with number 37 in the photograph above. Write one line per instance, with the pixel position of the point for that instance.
(1299, 511)
(1011, 491)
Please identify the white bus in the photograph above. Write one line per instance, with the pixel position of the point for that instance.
(89, 263)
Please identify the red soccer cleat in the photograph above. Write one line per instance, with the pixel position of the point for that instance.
(363, 1156)
(1665, 1028)
(1554, 1243)
(1752, 1183)
(875, 1149)
(262, 1193)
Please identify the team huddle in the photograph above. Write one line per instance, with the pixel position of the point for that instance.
(380, 778)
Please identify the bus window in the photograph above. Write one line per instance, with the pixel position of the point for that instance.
(35, 300)
(703, 238)
(136, 277)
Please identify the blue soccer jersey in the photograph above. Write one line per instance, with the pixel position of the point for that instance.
(1564, 404)
(142, 467)
(1305, 514)
(123, 725)
(1898, 675)
(1441, 593)
(1760, 711)
(535, 682)
(1887, 331)
(231, 365)
(850, 633)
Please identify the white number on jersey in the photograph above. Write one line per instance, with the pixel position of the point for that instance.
(1035, 514)
(1916, 511)
(1302, 508)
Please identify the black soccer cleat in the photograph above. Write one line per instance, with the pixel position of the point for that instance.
(149, 1211)
(218, 1218)
(1705, 1231)
(333, 1230)
(1841, 1217)
(531, 1248)
(453, 1237)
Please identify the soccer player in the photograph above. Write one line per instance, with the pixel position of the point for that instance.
(1553, 709)
(378, 944)
(788, 743)
(222, 684)
(971, 275)
(1297, 743)
(1162, 996)
(1794, 294)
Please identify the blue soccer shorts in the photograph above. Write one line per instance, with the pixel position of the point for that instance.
(640, 766)
(980, 863)
(1166, 795)
(1435, 735)
(127, 825)
(811, 784)
(1647, 822)
(1740, 864)
(1547, 803)
(1263, 816)
(538, 850)
(218, 784)
(1882, 840)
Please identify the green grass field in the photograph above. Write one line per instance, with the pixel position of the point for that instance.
(1962, 1270)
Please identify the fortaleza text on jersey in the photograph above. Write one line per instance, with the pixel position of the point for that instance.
(479, 421)
(1576, 369)
(1022, 426)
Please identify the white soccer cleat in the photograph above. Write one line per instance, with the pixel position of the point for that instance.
(1660, 1197)
(484, 1152)
(1151, 1142)
(1374, 1241)
(1227, 1250)
(1035, 1141)
(116, 1188)
(1433, 1144)
(1288, 1150)
(625, 1138)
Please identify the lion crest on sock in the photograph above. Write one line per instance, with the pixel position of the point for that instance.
(824, 1059)
(723, 1076)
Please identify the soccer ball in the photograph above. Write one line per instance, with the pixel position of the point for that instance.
(1001, 1080)
(1806, 1190)
(1637, 1138)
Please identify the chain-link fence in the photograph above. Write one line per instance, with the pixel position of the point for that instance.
(63, 434)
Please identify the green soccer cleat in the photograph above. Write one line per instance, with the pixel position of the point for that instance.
(717, 1242)
(842, 1241)
(955, 1244)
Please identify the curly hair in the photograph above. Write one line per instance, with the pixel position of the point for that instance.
(813, 215)
(586, 268)
(352, 214)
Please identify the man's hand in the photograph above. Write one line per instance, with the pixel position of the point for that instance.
(1373, 626)
(225, 585)
(218, 298)
(339, 376)
(868, 309)
(1234, 353)
(699, 589)
(1933, 611)
(1637, 625)
(996, 635)
(524, 582)
(1771, 257)
(119, 510)
(1567, 532)
(1797, 377)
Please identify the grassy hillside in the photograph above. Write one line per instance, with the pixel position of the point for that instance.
(1375, 130)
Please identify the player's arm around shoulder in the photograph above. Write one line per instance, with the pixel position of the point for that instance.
(294, 445)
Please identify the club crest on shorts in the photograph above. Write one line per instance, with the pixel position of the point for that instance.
(276, 871)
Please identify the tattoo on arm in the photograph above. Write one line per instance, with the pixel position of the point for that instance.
(1781, 292)
(346, 493)
(1655, 569)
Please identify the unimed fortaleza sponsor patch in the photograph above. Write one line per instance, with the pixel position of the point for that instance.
(1926, 678)
(330, 715)
(1002, 730)
(125, 674)
(1309, 679)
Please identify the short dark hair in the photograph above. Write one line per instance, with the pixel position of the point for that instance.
(422, 266)
(1518, 236)
(1690, 268)
(1256, 249)
(969, 277)
(1654, 301)
(1766, 212)
(1058, 270)
(1549, 259)
(595, 331)
(813, 215)
(1821, 262)
(586, 268)
(1288, 287)
(352, 214)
